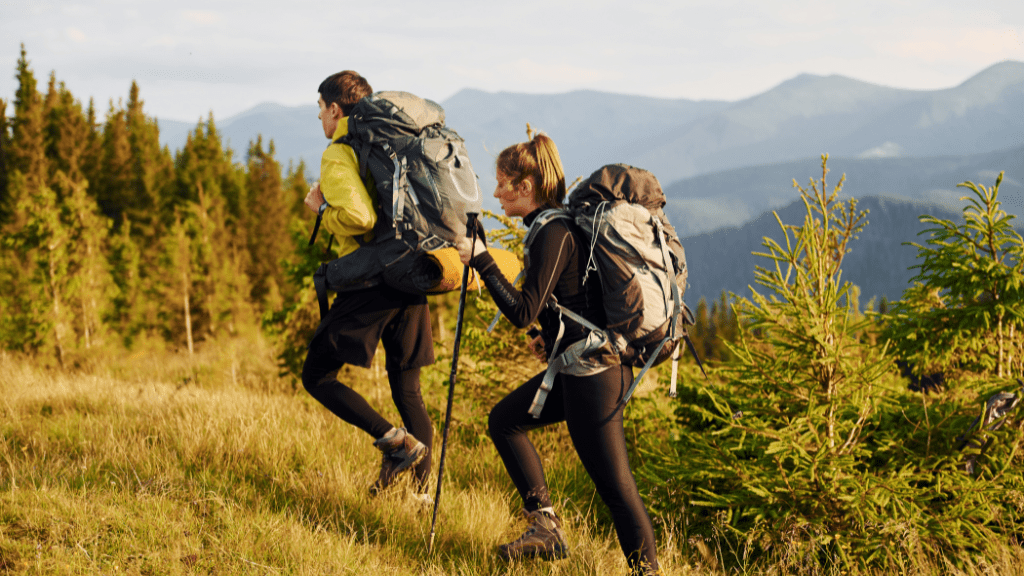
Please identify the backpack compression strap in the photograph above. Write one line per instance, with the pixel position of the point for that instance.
(555, 364)
(320, 285)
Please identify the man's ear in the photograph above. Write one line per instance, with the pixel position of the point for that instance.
(335, 110)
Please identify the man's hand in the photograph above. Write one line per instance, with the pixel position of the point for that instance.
(315, 198)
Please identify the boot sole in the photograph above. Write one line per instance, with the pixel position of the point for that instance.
(409, 459)
(558, 553)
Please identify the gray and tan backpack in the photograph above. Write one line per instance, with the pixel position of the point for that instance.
(636, 256)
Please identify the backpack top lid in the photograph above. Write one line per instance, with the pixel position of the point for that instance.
(619, 182)
(401, 109)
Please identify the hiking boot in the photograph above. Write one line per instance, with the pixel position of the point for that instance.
(401, 451)
(542, 539)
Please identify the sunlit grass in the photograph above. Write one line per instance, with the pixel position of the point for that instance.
(170, 465)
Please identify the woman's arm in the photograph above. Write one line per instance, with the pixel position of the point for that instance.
(549, 256)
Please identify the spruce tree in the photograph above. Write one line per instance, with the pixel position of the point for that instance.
(267, 216)
(131, 309)
(91, 285)
(43, 242)
(114, 186)
(5, 149)
(28, 144)
(966, 307)
(176, 285)
(68, 133)
(151, 167)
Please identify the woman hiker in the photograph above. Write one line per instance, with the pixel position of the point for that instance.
(531, 180)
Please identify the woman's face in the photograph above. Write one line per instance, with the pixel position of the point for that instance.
(516, 199)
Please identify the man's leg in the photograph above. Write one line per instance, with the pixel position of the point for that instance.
(408, 346)
(405, 390)
(319, 379)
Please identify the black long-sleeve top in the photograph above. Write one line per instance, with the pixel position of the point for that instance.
(556, 267)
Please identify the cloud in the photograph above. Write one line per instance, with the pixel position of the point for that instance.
(982, 45)
(206, 17)
(76, 34)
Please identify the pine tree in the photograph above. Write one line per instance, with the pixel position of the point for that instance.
(5, 147)
(114, 186)
(966, 308)
(224, 289)
(28, 146)
(131, 310)
(152, 169)
(68, 133)
(43, 243)
(92, 151)
(267, 217)
(91, 285)
(177, 285)
(296, 185)
(21, 289)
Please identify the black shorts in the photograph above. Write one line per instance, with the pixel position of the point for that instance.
(357, 321)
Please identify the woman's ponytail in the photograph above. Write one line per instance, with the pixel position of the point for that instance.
(538, 160)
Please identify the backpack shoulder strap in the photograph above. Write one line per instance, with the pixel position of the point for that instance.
(542, 219)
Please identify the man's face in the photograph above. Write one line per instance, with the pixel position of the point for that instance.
(328, 116)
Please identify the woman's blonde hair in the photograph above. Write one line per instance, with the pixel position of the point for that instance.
(537, 160)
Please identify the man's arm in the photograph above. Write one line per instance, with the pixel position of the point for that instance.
(350, 210)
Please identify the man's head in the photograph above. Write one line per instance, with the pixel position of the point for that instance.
(338, 94)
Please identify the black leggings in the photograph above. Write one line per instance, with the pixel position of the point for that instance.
(319, 378)
(590, 408)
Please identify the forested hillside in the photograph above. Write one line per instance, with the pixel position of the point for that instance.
(110, 239)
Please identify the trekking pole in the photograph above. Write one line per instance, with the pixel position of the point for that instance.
(471, 233)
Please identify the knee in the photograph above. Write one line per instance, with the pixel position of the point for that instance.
(496, 425)
(312, 377)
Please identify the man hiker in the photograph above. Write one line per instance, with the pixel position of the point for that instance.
(358, 320)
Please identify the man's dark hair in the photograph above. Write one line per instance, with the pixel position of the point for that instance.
(344, 88)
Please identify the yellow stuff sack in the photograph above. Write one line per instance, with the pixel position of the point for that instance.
(440, 270)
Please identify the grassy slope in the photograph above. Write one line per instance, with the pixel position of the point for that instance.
(146, 471)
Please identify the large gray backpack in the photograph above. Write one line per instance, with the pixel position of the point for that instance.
(425, 187)
(636, 256)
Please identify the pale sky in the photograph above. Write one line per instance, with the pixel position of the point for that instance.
(225, 56)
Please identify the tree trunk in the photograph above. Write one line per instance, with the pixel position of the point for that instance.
(188, 313)
(58, 325)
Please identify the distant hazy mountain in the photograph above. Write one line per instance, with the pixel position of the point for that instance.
(591, 129)
(701, 144)
(730, 198)
(878, 261)
(808, 115)
(295, 130)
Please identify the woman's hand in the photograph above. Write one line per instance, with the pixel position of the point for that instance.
(315, 198)
(467, 249)
(537, 347)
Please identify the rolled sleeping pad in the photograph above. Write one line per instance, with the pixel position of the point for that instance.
(440, 271)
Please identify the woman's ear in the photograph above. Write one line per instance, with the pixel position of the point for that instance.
(525, 188)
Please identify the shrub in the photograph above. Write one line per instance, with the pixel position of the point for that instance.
(966, 308)
(809, 455)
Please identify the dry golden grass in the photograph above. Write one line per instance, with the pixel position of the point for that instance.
(210, 465)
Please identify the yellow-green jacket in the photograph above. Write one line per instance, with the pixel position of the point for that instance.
(351, 212)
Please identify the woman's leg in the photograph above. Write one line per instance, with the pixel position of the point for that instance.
(509, 423)
(594, 419)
